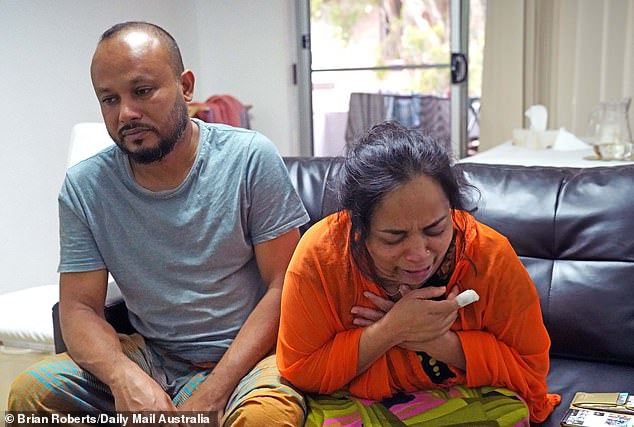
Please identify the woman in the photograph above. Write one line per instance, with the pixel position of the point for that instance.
(369, 310)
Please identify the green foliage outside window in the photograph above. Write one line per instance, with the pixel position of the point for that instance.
(410, 32)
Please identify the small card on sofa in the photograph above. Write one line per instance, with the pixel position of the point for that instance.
(599, 410)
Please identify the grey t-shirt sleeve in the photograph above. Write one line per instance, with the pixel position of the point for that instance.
(275, 206)
(78, 249)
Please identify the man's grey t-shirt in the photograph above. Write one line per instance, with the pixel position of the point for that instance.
(184, 258)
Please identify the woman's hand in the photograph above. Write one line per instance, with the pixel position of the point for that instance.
(365, 316)
(445, 346)
(416, 318)
(412, 321)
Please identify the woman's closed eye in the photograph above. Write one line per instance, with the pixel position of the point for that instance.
(393, 238)
(396, 238)
(438, 227)
(435, 231)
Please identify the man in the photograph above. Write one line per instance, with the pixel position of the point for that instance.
(196, 223)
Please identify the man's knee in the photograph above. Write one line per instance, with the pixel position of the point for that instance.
(55, 384)
(264, 398)
(17, 393)
(267, 409)
(27, 390)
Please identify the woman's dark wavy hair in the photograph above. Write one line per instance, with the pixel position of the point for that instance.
(387, 157)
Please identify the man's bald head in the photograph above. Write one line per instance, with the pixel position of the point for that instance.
(164, 38)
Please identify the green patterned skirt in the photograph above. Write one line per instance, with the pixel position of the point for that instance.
(457, 406)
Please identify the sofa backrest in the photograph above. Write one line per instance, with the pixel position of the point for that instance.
(314, 178)
(572, 228)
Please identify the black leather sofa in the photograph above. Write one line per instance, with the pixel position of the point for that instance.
(573, 230)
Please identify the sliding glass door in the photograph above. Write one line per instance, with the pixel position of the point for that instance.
(364, 61)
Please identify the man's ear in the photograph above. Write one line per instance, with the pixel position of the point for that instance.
(187, 84)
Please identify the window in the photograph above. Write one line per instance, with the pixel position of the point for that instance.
(397, 48)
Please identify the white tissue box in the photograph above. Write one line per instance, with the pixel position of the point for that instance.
(534, 139)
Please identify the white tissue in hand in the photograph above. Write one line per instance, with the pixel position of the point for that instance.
(467, 297)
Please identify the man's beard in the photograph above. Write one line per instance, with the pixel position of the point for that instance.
(178, 120)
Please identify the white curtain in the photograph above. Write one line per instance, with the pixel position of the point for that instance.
(568, 55)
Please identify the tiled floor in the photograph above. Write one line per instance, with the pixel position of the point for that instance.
(12, 362)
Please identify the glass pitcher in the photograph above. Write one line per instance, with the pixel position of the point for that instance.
(610, 131)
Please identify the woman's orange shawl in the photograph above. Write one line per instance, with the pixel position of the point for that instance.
(503, 336)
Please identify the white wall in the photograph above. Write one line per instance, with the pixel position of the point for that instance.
(246, 50)
(239, 47)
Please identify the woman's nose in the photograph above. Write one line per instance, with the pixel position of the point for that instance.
(417, 249)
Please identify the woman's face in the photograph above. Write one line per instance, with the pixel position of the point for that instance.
(410, 232)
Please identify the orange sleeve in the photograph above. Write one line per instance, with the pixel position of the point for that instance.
(510, 346)
(315, 349)
(318, 346)
(318, 354)
(313, 353)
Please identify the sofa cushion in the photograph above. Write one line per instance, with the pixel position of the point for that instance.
(519, 202)
(568, 376)
(571, 228)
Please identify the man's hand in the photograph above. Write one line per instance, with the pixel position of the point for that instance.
(258, 334)
(197, 403)
(94, 344)
(135, 391)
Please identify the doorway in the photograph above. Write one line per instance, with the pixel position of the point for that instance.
(364, 61)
